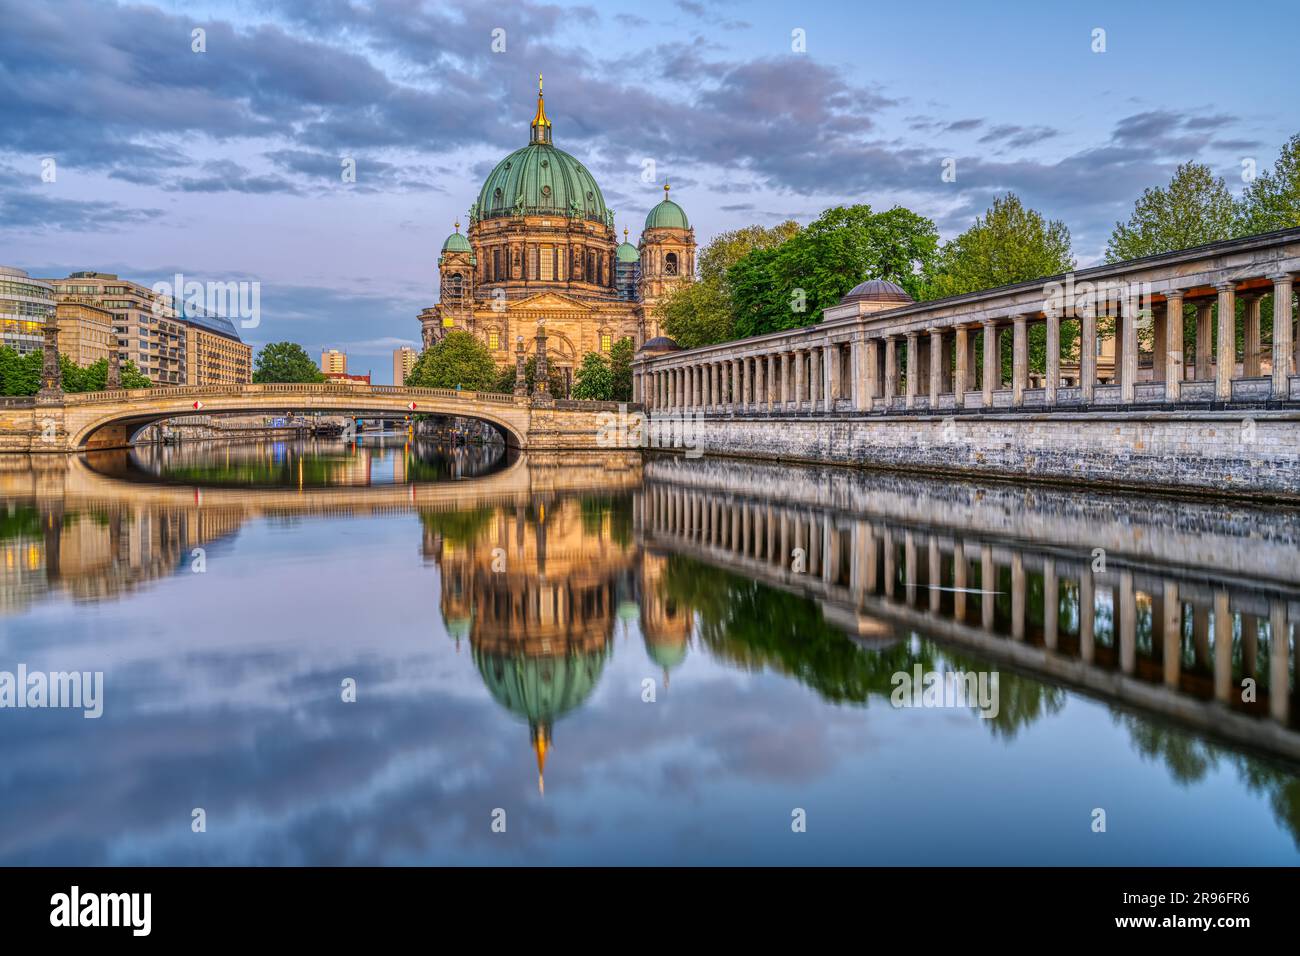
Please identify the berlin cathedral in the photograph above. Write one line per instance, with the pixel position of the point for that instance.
(542, 249)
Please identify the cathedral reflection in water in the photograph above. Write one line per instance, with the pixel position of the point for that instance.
(835, 579)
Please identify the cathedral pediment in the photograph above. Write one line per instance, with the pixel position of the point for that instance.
(554, 302)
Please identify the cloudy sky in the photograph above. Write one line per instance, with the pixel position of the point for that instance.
(225, 164)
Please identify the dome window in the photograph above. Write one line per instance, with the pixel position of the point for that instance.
(496, 194)
(546, 191)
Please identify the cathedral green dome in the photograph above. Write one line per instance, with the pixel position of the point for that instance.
(540, 180)
(667, 215)
(456, 242)
(627, 252)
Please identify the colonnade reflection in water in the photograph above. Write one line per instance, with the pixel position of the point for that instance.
(837, 579)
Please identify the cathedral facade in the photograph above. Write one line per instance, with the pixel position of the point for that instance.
(541, 249)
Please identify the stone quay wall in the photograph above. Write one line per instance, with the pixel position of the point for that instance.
(1251, 452)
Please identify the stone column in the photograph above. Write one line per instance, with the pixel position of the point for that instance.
(1159, 358)
(737, 383)
(913, 368)
(1281, 334)
(988, 587)
(814, 378)
(871, 384)
(962, 371)
(798, 377)
(990, 360)
(1087, 354)
(115, 366)
(959, 582)
(891, 370)
(521, 375)
(1250, 365)
(934, 573)
(831, 363)
(1019, 359)
(759, 398)
(1127, 334)
(936, 366)
(858, 386)
(1227, 345)
(1052, 380)
(1173, 345)
(1204, 327)
(772, 384)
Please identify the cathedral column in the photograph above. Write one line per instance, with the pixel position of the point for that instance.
(814, 378)
(962, 370)
(798, 378)
(771, 397)
(869, 384)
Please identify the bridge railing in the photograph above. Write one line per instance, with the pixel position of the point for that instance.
(283, 388)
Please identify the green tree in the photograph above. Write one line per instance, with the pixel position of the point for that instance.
(1008, 244)
(1195, 208)
(458, 360)
(285, 362)
(94, 377)
(20, 374)
(699, 313)
(620, 366)
(594, 380)
(790, 286)
(1272, 201)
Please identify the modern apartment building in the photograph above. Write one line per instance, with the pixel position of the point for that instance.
(334, 362)
(403, 361)
(26, 304)
(214, 354)
(85, 332)
(168, 344)
(149, 335)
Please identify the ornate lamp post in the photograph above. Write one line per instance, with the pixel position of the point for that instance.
(51, 391)
(114, 379)
(521, 374)
(541, 380)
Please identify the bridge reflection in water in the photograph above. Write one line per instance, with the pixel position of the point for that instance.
(1159, 608)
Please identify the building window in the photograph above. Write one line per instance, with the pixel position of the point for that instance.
(670, 264)
(547, 270)
(606, 341)
(533, 267)
(494, 340)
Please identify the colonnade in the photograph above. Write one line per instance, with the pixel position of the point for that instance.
(952, 362)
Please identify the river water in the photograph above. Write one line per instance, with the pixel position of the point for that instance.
(388, 652)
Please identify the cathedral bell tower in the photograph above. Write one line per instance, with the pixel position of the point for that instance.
(667, 253)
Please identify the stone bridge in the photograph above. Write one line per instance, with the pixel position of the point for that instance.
(109, 419)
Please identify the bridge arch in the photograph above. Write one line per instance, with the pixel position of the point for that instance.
(112, 419)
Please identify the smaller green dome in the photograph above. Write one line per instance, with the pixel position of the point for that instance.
(667, 215)
(627, 252)
(456, 242)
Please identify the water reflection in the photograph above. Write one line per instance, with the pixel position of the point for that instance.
(792, 595)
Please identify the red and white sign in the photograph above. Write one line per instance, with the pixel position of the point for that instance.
(411, 405)
(197, 406)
